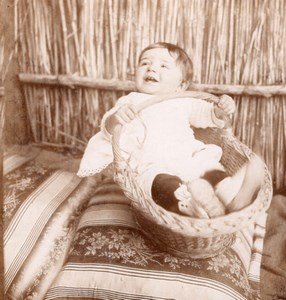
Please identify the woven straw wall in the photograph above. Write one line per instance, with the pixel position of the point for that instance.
(2, 75)
(230, 42)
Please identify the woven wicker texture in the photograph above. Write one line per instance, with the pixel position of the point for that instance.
(186, 236)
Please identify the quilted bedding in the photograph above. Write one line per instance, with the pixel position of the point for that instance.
(68, 238)
(40, 209)
(111, 259)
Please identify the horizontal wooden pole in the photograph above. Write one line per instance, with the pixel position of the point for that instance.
(73, 81)
(242, 90)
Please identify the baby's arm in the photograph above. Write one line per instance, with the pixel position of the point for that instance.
(203, 114)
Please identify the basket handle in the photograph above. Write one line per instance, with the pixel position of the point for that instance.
(185, 94)
(157, 99)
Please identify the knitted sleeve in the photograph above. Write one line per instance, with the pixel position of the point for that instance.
(201, 114)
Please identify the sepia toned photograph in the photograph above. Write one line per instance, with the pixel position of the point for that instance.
(143, 149)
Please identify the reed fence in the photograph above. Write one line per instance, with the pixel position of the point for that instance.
(2, 102)
(237, 47)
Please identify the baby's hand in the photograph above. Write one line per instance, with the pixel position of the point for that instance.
(123, 115)
(226, 104)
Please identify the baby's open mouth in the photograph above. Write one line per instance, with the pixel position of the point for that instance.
(150, 79)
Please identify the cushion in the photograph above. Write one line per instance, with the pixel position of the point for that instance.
(110, 258)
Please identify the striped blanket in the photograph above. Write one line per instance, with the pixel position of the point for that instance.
(40, 209)
(66, 238)
(110, 258)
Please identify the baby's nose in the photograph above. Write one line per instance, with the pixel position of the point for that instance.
(151, 67)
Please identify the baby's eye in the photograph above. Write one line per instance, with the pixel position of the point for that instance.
(164, 66)
(143, 63)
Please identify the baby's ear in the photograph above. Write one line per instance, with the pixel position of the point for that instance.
(183, 86)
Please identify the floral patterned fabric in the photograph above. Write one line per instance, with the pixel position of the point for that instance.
(19, 184)
(40, 209)
(110, 258)
(68, 238)
(131, 248)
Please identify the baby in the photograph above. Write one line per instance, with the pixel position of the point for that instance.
(181, 174)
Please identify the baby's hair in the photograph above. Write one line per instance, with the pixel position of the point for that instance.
(183, 60)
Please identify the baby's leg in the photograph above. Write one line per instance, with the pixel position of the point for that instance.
(203, 195)
(252, 182)
(228, 188)
(239, 190)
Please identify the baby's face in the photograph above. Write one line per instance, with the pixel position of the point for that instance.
(158, 73)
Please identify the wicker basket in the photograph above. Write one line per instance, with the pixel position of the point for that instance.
(186, 236)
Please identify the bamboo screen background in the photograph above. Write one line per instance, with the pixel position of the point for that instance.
(230, 42)
(2, 102)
